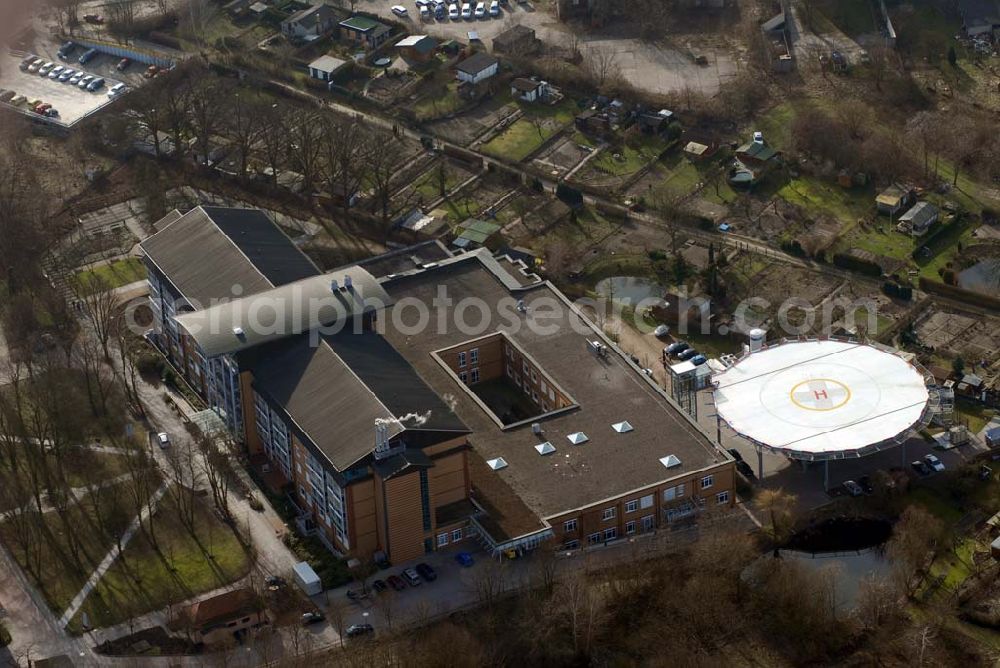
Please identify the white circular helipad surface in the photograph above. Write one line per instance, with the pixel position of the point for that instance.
(818, 398)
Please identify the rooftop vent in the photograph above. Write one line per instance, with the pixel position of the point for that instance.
(536, 428)
(577, 438)
(334, 285)
(545, 448)
(240, 334)
(348, 282)
(521, 306)
(622, 427)
(497, 464)
(670, 461)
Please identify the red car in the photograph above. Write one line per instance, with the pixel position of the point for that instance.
(122, 64)
(396, 582)
(42, 108)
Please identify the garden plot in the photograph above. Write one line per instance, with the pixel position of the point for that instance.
(561, 157)
(464, 128)
(778, 283)
(474, 201)
(425, 189)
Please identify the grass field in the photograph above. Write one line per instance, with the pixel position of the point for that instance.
(80, 466)
(438, 103)
(631, 158)
(180, 566)
(115, 274)
(537, 124)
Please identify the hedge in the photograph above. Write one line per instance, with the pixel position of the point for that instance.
(960, 294)
(854, 263)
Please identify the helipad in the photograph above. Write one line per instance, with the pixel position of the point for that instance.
(822, 399)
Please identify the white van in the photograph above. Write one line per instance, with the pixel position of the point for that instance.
(163, 439)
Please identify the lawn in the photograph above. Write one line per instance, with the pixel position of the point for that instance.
(937, 503)
(814, 194)
(538, 123)
(852, 17)
(975, 414)
(439, 102)
(80, 466)
(630, 157)
(115, 274)
(179, 567)
(427, 184)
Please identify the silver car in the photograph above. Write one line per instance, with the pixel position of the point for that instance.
(85, 81)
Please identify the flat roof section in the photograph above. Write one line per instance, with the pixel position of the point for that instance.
(822, 399)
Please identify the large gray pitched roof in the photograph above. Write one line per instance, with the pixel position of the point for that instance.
(210, 250)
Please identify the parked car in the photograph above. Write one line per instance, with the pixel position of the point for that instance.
(87, 56)
(853, 488)
(151, 72)
(75, 79)
(661, 330)
(439, 12)
(466, 10)
(56, 71)
(920, 467)
(42, 107)
(379, 585)
(480, 10)
(426, 572)
(275, 581)
(28, 61)
(698, 360)
(7, 96)
(464, 559)
(45, 69)
(425, 13)
(453, 12)
(356, 630)
(123, 64)
(399, 10)
(677, 347)
(934, 462)
(35, 66)
(411, 577)
(96, 19)
(687, 354)
(65, 50)
(357, 594)
(117, 90)
(163, 439)
(495, 8)
(396, 582)
(313, 618)
(52, 113)
(66, 75)
(96, 84)
(18, 100)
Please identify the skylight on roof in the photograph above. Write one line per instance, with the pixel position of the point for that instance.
(545, 448)
(577, 437)
(622, 427)
(670, 461)
(497, 464)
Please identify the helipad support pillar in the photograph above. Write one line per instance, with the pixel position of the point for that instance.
(760, 463)
(902, 461)
(826, 475)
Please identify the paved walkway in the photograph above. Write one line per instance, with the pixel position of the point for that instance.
(111, 557)
(74, 494)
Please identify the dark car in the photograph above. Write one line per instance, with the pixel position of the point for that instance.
(356, 595)
(688, 354)
(379, 585)
(122, 64)
(313, 618)
(65, 50)
(396, 582)
(920, 467)
(356, 630)
(698, 360)
(275, 581)
(866, 484)
(464, 559)
(677, 347)
(426, 572)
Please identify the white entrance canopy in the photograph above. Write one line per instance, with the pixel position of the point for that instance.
(823, 399)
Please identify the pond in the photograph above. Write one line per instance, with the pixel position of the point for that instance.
(850, 550)
(984, 276)
(629, 289)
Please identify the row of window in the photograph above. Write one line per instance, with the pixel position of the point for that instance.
(472, 358)
(472, 376)
(442, 538)
(633, 505)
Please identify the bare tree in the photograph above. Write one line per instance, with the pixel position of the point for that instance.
(100, 303)
(382, 155)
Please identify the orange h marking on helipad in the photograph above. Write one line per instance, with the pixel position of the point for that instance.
(820, 394)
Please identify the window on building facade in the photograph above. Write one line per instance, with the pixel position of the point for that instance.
(569, 526)
(648, 522)
(630, 528)
(461, 360)
(475, 375)
(456, 535)
(608, 514)
(611, 533)
(524, 368)
(722, 497)
(534, 376)
(462, 376)
(594, 538)
(474, 357)
(632, 506)
(442, 539)
(646, 501)
(571, 545)
(707, 481)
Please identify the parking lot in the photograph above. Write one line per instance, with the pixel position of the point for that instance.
(72, 102)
